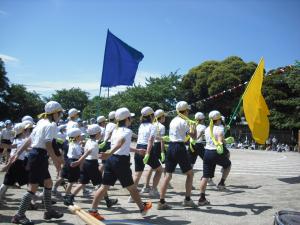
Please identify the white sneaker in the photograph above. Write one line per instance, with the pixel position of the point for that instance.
(145, 189)
(189, 203)
(130, 200)
(210, 182)
(154, 193)
(86, 193)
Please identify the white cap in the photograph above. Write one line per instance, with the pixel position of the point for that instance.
(27, 124)
(199, 116)
(223, 118)
(100, 119)
(146, 111)
(214, 115)
(182, 106)
(62, 126)
(8, 122)
(2, 125)
(72, 112)
(19, 128)
(158, 113)
(53, 107)
(123, 113)
(27, 117)
(112, 115)
(93, 129)
(74, 132)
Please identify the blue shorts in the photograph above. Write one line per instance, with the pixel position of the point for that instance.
(117, 167)
(177, 154)
(16, 174)
(153, 161)
(73, 172)
(198, 151)
(211, 159)
(90, 172)
(139, 165)
(38, 166)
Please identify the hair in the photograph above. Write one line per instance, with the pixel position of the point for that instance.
(93, 137)
(50, 117)
(19, 135)
(215, 121)
(111, 120)
(122, 123)
(146, 119)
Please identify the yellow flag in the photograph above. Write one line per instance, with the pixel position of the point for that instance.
(255, 108)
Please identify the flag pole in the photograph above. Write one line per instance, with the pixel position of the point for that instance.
(240, 101)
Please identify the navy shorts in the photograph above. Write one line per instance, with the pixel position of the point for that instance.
(16, 173)
(38, 166)
(211, 159)
(177, 154)
(90, 172)
(65, 170)
(8, 142)
(117, 167)
(73, 172)
(153, 161)
(198, 151)
(139, 165)
(104, 149)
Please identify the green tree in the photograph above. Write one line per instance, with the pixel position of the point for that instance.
(4, 86)
(21, 102)
(213, 77)
(281, 89)
(72, 98)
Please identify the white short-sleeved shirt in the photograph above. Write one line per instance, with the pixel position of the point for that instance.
(8, 134)
(18, 142)
(72, 124)
(102, 133)
(75, 150)
(92, 145)
(45, 131)
(160, 131)
(146, 131)
(200, 129)
(119, 133)
(178, 129)
(217, 130)
(108, 130)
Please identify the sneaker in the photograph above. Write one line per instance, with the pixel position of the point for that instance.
(96, 215)
(203, 202)
(52, 214)
(163, 206)
(189, 203)
(154, 193)
(33, 206)
(145, 190)
(210, 182)
(86, 193)
(221, 187)
(111, 202)
(21, 220)
(147, 207)
(130, 200)
(69, 200)
(193, 188)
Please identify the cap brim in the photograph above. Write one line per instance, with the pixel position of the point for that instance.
(132, 114)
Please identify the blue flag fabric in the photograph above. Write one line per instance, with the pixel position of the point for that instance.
(120, 62)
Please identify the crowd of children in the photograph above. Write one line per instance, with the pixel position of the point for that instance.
(100, 153)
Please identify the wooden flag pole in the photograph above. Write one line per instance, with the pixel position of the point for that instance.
(87, 218)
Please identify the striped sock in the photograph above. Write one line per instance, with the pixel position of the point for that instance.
(25, 203)
(47, 199)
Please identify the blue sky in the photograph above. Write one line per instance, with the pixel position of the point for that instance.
(54, 44)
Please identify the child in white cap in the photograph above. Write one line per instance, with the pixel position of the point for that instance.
(89, 170)
(214, 135)
(117, 165)
(41, 143)
(109, 129)
(73, 116)
(7, 137)
(16, 172)
(177, 154)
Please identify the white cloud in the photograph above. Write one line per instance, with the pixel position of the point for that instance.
(47, 88)
(8, 59)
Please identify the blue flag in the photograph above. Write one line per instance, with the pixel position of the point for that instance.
(120, 62)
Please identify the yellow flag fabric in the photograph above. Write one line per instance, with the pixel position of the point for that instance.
(255, 108)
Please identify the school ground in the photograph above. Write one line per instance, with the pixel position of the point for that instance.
(260, 184)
